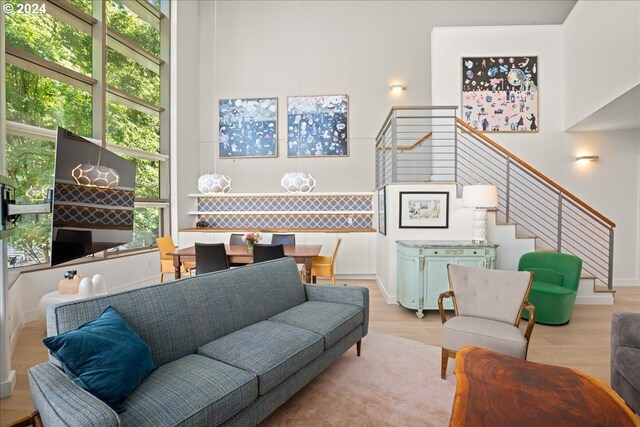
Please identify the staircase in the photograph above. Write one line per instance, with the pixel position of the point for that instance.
(430, 144)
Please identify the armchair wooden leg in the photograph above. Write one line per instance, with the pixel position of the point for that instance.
(358, 346)
(443, 364)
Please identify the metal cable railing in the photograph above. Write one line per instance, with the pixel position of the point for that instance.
(418, 144)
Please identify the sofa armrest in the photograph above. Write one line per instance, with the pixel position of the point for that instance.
(355, 295)
(625, 329)
(61, 402)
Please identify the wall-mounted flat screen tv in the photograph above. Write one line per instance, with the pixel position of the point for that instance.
(93, 199)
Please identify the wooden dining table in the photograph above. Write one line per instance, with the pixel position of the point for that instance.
(239, 254)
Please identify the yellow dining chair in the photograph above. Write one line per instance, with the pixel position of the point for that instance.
(323, 266)
(166, 246)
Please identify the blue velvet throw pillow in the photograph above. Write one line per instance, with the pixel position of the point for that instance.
(104, 357)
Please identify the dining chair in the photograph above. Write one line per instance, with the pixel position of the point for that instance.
(211, 257)
(165, 246)
(263, 253)
(487, 308)
(236, 239)
(324, 266)
(283, 239)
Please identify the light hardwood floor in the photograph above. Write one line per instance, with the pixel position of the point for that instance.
(582, 344)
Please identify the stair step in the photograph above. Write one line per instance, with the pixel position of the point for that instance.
(525, 236)
(506, 223)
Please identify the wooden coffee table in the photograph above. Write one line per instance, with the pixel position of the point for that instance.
(498, 390)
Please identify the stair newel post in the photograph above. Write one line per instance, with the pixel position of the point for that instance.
(610, 275)
(559, 239)
(507, 194)
(394, 147)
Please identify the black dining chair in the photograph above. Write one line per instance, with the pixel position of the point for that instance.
(267, 252)
(211, 257)
(236, 239)
(283, 239)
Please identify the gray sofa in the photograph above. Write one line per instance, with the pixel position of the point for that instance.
(231, 346)
(625, 357)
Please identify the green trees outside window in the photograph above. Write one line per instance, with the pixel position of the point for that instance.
(46, 96)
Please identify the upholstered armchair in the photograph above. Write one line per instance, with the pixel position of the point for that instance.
(556, 277)
(625, 357)
(488, 305)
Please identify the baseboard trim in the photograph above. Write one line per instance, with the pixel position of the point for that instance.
(15, 334)
(626, 282)
(390, 299)
(6, 387)
(601, 299)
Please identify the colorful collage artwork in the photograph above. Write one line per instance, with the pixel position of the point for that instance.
(500, 93)
(317, 126)
(248, 127)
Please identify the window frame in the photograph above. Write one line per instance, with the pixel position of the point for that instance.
(95, 25)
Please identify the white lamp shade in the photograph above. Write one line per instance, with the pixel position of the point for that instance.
(298, 182)
(214, 183)
(480, 196)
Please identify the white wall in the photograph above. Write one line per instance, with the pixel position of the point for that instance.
(284, 48)
(601, 55)
(459, 229)
(610, 185)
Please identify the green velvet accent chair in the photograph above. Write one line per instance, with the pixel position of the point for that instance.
(556, 277)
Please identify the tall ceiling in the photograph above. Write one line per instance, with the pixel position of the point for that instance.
(508, 12)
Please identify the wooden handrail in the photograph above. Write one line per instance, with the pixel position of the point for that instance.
(412, 146)
(534, 171)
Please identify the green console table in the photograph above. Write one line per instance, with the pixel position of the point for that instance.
(422, 269)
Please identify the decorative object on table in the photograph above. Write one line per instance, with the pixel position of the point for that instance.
(480, 197)
(556, 277)
(424, 209)
(214, 183)
(317, 126)
(500, 93)
(202, 224)
(248, 127)
(70, 283)
(90, 287)
(251, 239)
(298, 182)
(487, 308)
(382, 217)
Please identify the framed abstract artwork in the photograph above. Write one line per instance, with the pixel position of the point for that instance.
(382, 208)
(248, 127)
(421, 209)
(317, 126)
(500, 93)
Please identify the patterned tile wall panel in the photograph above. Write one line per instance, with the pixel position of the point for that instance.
(286, 203)
(290, 222)
(90, 217)
(70, 193)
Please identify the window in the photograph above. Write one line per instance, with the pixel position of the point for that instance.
(49, 76)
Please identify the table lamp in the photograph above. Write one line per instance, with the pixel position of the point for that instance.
(480, 197)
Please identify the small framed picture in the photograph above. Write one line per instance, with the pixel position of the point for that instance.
(421, 209)
(382, 216)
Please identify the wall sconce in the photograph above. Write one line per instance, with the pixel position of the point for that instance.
(397, 88)
(587, 158)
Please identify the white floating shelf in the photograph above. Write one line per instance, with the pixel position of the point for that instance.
(284, 213)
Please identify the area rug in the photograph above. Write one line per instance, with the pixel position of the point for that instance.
(396, 381)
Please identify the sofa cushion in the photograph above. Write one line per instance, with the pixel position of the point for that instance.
(193, 390)
(273, 351)
(627, 362)
(489, 334)
(332, 320)
(104, 357)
